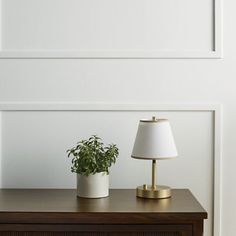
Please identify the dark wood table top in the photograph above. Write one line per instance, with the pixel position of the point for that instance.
(54, 203)
(65, 200)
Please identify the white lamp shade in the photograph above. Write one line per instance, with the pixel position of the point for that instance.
(154, 140)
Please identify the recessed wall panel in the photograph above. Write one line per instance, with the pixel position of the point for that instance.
(100, 28)
(34, 145)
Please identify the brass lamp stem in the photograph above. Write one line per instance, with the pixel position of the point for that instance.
(153, 191)
(154, 174)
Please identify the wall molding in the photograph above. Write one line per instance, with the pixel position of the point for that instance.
(103, 106)
(215, 52)
(87, 106)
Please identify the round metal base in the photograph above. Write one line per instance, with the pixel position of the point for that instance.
(146, 191)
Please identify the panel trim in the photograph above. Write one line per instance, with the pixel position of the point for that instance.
(86, 106)
(129, 54)
(110, 54)
(104, 106)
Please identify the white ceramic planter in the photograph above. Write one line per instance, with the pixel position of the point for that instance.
(93, 186)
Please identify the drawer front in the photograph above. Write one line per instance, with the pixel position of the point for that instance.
(94, 234)
(95, 230)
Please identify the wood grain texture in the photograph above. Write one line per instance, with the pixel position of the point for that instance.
(114, 228)
(93, 234)
(122, 206)
(65, 200)
(60, 212)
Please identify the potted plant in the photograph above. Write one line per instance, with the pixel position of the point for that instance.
(91, 161)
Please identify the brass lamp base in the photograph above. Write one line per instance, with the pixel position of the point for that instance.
(147, 191)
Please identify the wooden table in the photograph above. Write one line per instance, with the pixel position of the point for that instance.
(59, 212)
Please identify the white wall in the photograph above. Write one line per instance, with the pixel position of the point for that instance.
(34, 145)
(160, 81)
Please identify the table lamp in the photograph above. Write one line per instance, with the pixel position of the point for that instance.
(154, 141)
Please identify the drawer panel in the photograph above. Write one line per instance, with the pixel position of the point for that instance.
(95, 230)
(93, 234)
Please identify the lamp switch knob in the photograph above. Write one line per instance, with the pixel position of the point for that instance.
(145, 187)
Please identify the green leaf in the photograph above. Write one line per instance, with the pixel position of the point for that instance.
(91, 156)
